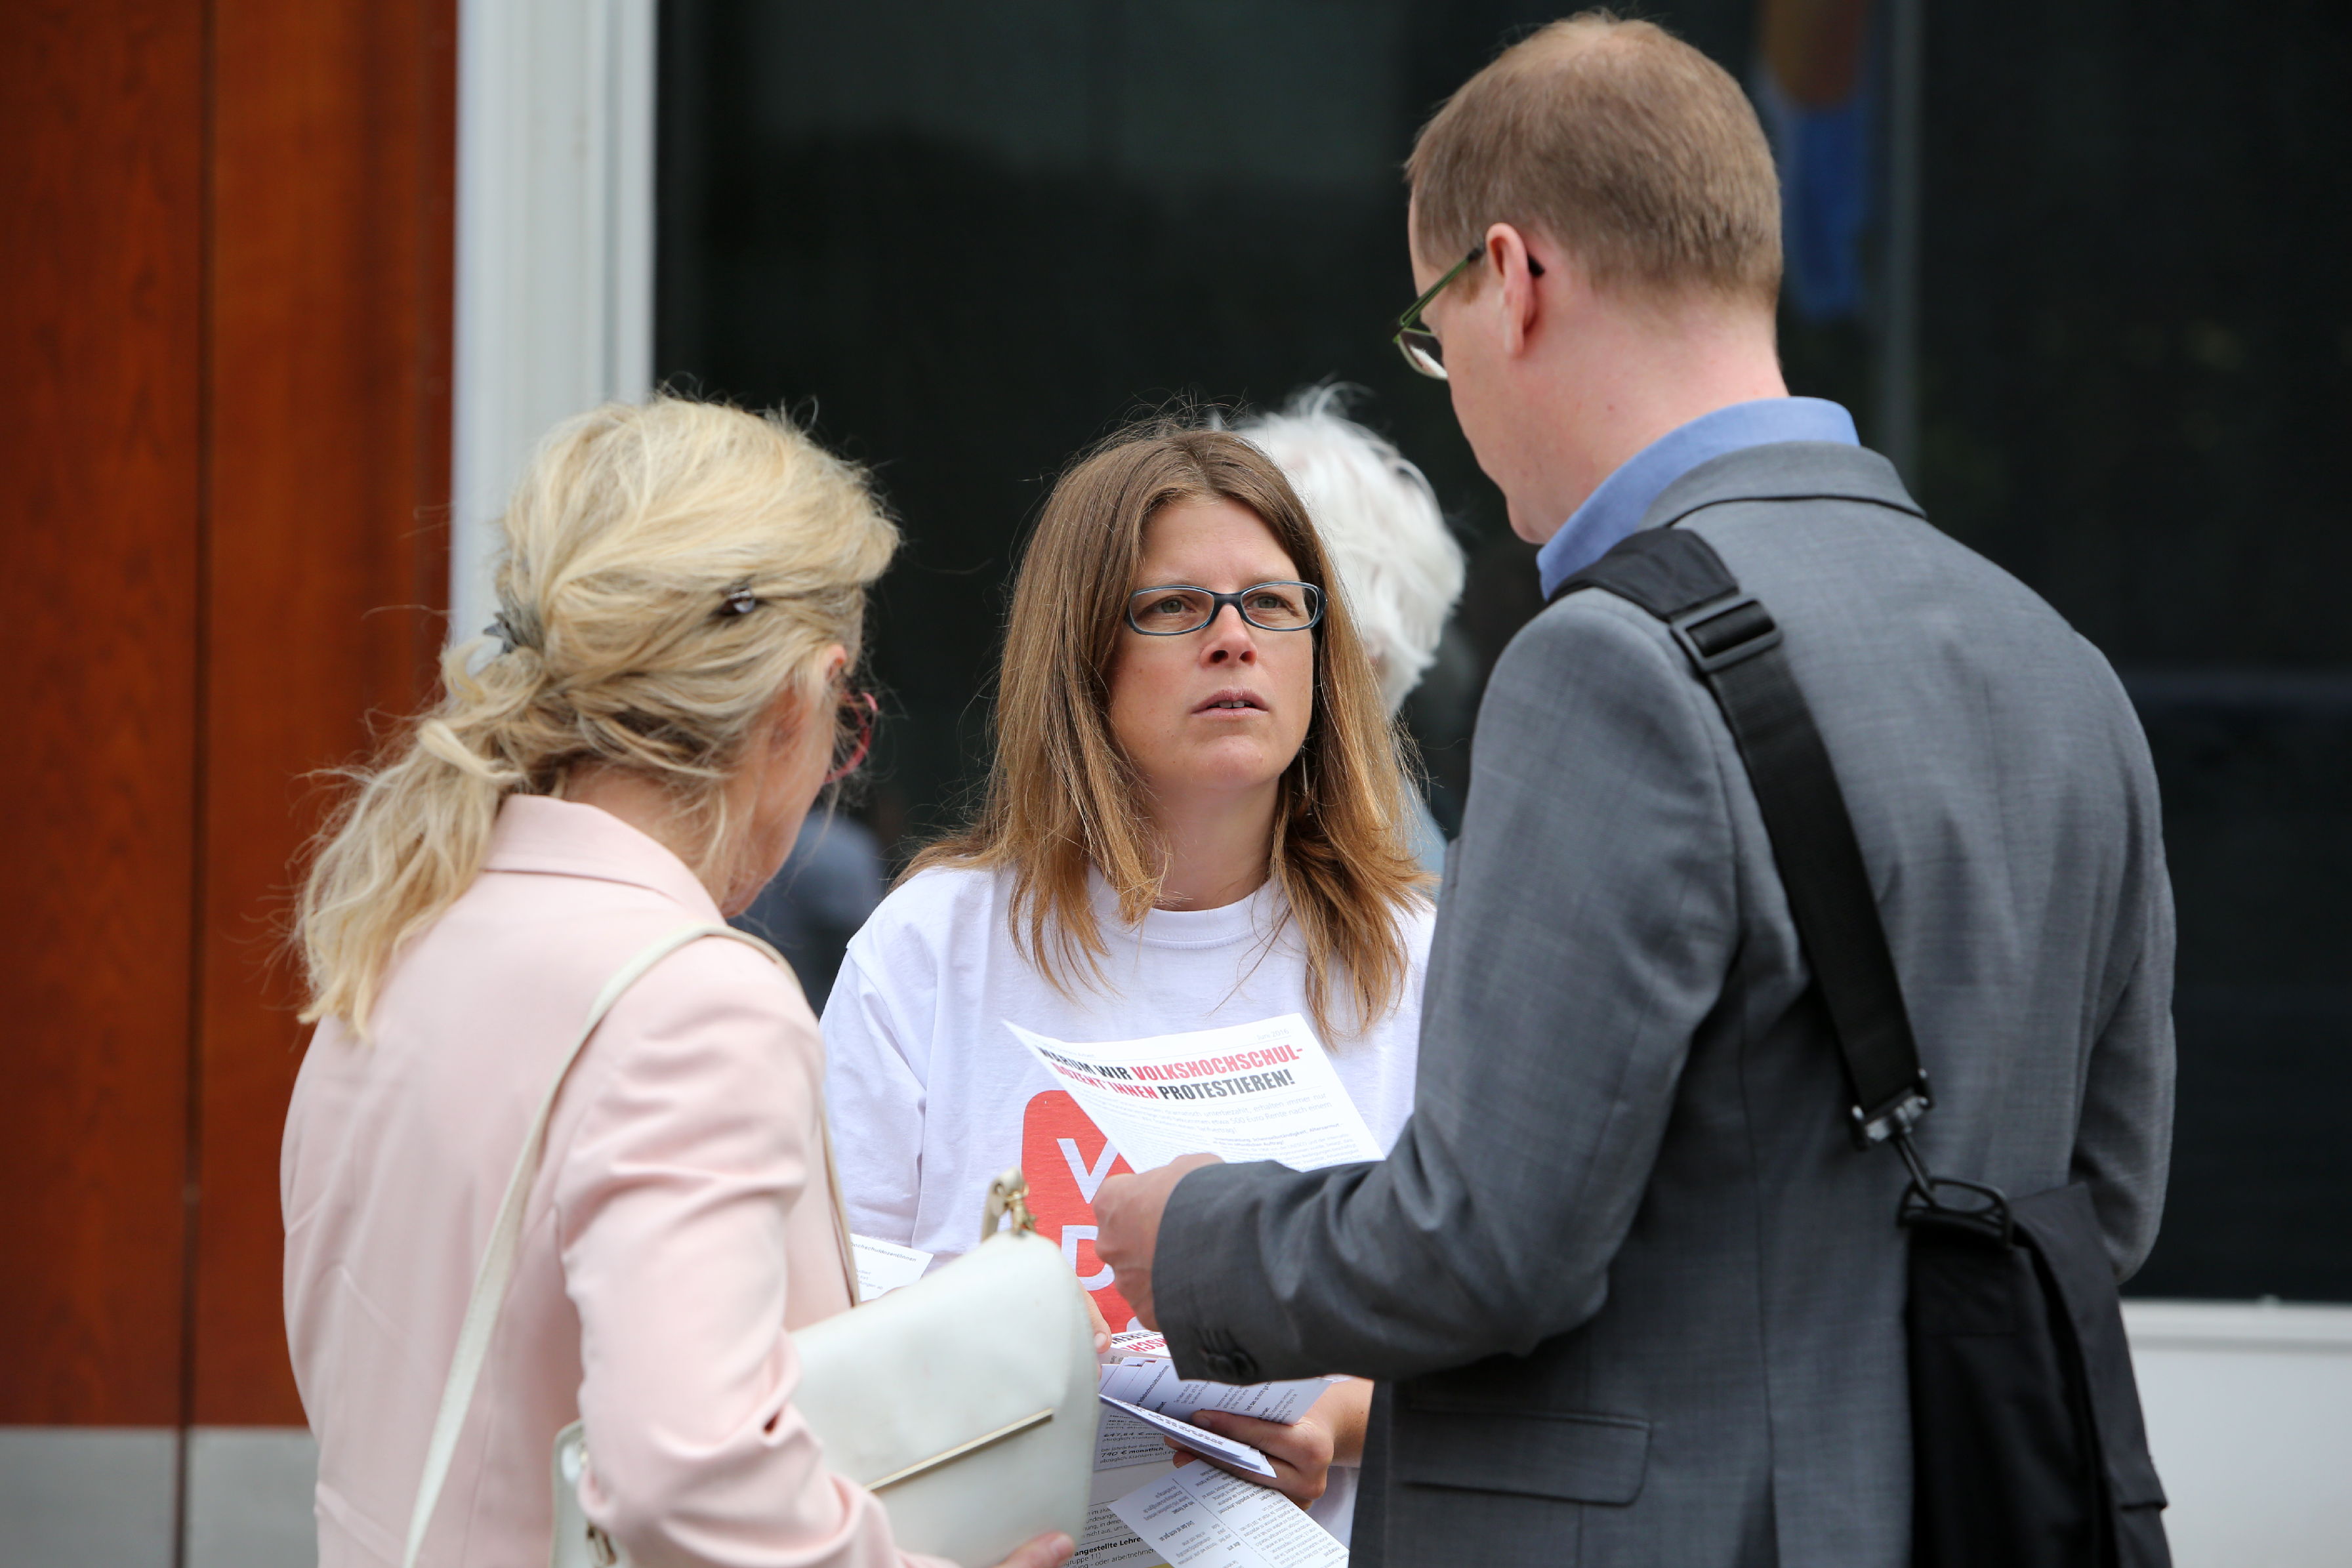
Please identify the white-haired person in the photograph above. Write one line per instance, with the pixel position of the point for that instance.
(1379, 518)
(1195, 818)
(680, 599)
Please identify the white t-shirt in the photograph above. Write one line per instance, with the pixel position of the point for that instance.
(931, 1097)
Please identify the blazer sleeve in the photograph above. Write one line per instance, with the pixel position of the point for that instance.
(1588, 926)
(2123, 1143)
(670, 1202)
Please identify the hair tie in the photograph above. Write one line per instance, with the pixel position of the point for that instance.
(507, 626)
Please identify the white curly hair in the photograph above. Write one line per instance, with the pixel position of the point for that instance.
(1399, 565)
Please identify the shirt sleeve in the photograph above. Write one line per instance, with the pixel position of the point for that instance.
(670, 1205)
(877, 1104)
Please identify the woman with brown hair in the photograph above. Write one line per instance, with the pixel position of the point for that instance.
(1196, 817)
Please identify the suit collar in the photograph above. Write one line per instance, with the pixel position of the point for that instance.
(1616, 505)
(1784, 470)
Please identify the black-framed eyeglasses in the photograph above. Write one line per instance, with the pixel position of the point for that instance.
(1178, 608)
(1418, 343)
(852, 734)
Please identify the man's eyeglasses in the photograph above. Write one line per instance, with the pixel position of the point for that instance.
(1418, 343)
(1172, 611)
(852, 734)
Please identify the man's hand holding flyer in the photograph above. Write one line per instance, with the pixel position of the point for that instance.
(1264, 1090)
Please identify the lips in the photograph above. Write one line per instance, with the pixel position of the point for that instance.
(1232, 700)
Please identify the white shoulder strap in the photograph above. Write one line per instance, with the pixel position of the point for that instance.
(506, 1235)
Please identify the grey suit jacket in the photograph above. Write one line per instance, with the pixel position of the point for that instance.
(1632, 1295)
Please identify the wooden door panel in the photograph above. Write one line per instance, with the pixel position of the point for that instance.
(334, 143)
(101, 180)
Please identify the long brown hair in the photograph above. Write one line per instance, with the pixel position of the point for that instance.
(1063, 797)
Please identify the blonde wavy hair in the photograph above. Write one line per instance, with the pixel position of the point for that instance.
(667, 571)
(1061, 797)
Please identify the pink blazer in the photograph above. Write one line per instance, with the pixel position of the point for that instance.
(679, 1226)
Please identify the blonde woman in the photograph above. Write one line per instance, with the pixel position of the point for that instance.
(680, 600)
(1196, 818)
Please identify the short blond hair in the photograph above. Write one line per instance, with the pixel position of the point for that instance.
(667, 572)
(1618, 141)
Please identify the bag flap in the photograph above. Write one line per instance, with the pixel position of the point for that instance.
(2064, 1227)
(994, 1342)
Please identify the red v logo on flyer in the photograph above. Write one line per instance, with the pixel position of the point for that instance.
(1089, 1178)
(1066, 1159)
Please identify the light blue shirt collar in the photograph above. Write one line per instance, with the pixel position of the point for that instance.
(1616, 508)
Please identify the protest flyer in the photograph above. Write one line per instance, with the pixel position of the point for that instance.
(1128, 1453)
(1198, 1440)
(1122, 1442)
(884, 1265)
(1152, 1383)
(1249, 1092)
(1200, 1517)
(1108, 1544)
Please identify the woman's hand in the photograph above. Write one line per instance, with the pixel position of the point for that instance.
(1050, 1550)
(1302, 1454)
(1102, 1329)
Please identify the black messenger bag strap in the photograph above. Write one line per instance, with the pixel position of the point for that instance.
(1733, 643)
(2028, 1447)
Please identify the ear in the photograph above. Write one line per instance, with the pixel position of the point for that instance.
(788, 712)
(1521, 300)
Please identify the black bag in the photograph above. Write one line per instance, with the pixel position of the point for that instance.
(2028, 1449)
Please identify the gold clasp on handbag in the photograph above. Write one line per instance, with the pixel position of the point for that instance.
(1008, 1195)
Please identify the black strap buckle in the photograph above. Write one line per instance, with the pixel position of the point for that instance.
(1950, 1204)
(1895, 1119)
(1953, 1204)
(1724, 631)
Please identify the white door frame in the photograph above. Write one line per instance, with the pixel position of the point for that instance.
(555, 244)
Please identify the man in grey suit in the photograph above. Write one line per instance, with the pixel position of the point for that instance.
(1632, 1295)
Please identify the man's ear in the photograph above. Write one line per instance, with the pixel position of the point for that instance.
(1521, 301)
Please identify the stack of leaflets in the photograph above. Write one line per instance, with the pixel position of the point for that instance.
(1140, 1380)
(1148, 1512)
(1263, 1090)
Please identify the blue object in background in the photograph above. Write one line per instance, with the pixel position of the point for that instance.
(1827, 160)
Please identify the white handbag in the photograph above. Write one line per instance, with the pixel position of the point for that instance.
(967, 1400)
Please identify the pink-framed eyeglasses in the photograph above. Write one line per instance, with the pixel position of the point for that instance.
(853, 735)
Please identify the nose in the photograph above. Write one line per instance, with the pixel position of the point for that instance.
(1227, 639)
